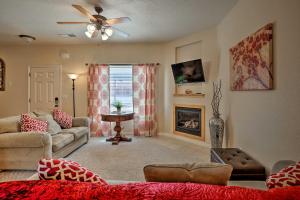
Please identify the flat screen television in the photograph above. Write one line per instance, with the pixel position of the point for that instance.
(188, 72)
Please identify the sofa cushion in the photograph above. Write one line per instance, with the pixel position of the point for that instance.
(41, 113)
(279, 165)
(208, 173)
(53, 126)
(59, 169)
(24, 139)
(10, 124)
(80, 121)
(61, 140)
(62, 118)
(29, 124)
(78, 132)
(288, 176)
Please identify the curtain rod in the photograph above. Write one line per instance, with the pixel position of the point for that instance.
(86, 64)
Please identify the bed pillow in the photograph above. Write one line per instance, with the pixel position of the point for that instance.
(62, 118)
(288, 176)
(59, 169)
(30, 124)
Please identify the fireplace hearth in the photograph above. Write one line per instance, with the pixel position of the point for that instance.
(189, 121)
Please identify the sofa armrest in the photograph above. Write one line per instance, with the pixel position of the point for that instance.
(25, 139)
(80, 121)
(281, 164)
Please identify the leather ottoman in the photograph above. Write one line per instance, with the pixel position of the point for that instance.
(244, 166)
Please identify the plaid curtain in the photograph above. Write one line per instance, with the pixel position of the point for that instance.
(145, 120)
(98, 99)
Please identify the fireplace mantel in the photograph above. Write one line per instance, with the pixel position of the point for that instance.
(189, 121)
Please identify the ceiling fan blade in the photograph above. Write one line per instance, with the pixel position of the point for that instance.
(73, 22)
(117, 20)
(120, 32)
(84, 11)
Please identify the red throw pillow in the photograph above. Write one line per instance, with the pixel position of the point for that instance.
(59, 169)
(62, 118)
(289, 176)
(29, 124)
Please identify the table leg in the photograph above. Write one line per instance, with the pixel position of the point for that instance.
(118, 137)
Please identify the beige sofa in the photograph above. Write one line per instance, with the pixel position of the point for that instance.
(22, 150)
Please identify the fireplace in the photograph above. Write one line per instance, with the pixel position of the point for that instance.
(189, 121)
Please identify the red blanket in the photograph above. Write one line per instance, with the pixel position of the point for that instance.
(175, 191)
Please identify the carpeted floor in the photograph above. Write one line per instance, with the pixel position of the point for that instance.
(126, 160)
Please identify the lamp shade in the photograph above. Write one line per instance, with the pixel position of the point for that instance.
(91, 28)
(73, 76)
(104, 36)
(88, 34)
(91, 34)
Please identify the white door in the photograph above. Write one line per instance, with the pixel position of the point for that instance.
(44, 88)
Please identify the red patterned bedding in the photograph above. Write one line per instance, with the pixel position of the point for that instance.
(145, 191)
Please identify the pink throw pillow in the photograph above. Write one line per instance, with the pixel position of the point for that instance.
(29, 124)
(289, 176)
(62, 118)
(59, 169)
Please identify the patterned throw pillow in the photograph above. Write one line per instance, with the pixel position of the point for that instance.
(289, 176)
(29, 124)
(59, 169)
(53, 126)
(62, 118)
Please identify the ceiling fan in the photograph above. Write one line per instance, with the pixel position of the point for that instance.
(100, 24)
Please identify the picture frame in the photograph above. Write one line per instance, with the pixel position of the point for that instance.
(2, 75)
(251, 61)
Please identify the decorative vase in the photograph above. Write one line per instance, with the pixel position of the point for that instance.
(216, 127)
(118, 109)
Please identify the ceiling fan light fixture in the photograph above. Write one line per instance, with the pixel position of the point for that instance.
(95, 33)
(91, 34)
(91, 28)
(88, 34)
(99, 24)
(104, 36)
(109, 31)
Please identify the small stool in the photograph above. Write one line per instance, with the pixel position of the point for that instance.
(244, 166)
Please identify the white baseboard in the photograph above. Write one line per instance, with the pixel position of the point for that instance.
(193, 141)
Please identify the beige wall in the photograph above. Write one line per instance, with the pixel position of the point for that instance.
(18, 58)
(264, 123)
(204, 46)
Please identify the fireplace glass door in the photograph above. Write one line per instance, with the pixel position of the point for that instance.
(188, 120)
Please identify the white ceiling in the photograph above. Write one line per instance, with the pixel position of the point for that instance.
(152, 20)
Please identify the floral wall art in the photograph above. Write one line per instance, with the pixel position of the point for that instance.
(251, 65)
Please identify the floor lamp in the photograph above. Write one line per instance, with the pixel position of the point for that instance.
(73, 77)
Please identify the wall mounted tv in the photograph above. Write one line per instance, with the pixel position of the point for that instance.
(188, 72)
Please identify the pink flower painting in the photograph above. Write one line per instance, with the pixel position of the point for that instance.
(251, 65)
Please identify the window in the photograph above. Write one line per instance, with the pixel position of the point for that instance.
(120, 83)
